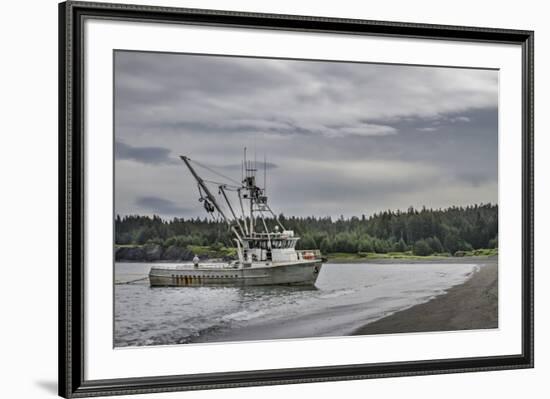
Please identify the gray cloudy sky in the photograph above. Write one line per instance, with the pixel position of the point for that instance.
(340, 138)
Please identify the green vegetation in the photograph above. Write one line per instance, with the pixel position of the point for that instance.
(478, 252)
(408, 255)
(213, 251)
(455, 231)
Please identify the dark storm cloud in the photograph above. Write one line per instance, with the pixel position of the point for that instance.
(462, 146)
(219, 75)
(146, 155)
(340, 138)
(160, 206)
(277, 127)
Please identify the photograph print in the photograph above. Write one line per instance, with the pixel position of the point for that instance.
(268, 198)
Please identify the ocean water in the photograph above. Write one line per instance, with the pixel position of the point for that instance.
(345, 297)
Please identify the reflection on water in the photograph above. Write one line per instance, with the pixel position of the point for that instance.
(345, 297)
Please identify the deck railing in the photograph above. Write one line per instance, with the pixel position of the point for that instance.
(315, 252)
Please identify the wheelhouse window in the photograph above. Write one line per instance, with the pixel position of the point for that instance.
(275, 244)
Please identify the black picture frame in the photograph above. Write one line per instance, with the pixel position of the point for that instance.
(71, 200)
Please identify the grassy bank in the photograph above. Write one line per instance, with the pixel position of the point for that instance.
(408, 255)
(216, 251)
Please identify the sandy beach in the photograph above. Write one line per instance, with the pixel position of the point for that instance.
(471, 305)
(466, 306)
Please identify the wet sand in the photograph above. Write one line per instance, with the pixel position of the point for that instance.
(471, 305)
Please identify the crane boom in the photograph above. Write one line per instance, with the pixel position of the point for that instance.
(204, 187)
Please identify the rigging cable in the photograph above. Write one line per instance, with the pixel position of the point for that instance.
(215, 172)
(225, 185)
(131, 281)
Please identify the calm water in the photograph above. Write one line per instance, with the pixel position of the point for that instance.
(346, 297)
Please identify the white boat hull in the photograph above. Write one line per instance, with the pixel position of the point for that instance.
(303, 272)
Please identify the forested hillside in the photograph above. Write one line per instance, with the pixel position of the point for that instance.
(424, 232)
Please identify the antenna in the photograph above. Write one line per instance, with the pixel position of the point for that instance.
(265, 174)
(245, 164)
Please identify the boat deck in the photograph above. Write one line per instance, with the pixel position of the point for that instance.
(231, 266)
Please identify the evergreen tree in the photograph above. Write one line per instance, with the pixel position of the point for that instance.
(400, 246)
(422, 248)
(442, 230)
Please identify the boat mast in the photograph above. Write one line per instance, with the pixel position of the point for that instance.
(255, 194)
(242, 211)
(249, 180)
(251, 195)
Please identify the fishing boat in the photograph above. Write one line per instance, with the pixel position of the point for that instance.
(266, 250)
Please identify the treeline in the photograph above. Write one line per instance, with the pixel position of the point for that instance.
(424, 232)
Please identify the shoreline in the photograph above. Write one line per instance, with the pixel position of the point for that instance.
(427, 259)
(174, 253)
(472, 305)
